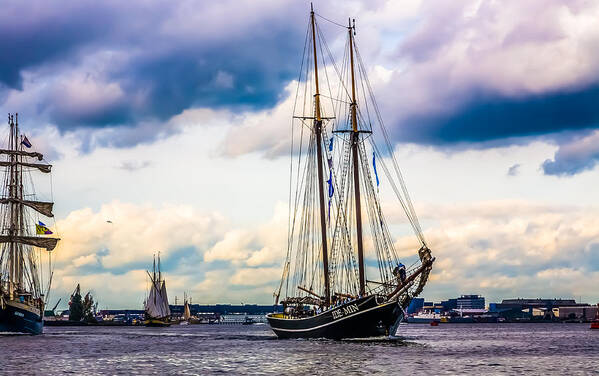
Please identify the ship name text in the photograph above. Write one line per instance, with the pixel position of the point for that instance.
(344, 311)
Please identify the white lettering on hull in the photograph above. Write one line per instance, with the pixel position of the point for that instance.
(344, 311)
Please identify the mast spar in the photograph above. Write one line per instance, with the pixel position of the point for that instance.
(318, 132)
(354, 145)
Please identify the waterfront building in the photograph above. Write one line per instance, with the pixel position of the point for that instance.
(475, 302)
(578, 312)
(523, 309)
(415, 306)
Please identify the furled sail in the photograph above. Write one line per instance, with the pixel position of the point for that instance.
(48, 243)
(44, 208)
(45, 168)
(32, 154)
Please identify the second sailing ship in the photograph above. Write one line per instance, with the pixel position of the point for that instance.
(157, 310)
(22, 291)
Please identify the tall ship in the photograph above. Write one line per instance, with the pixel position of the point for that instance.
(343, 277)
(157, 310)
(24, 239)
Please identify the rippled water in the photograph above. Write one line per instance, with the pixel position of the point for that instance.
(219, 349)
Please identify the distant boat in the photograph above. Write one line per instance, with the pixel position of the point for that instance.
(186, 313)
(336, 224)
(424, 318)
(595, 323)
(157, 310)
(22, 290)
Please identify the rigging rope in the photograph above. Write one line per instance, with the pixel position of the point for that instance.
(331, 21)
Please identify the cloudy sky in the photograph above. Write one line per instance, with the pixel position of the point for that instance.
(171, 119)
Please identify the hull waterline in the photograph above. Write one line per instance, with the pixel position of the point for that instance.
(359, 319)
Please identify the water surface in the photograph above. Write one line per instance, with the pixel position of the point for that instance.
(238, 349)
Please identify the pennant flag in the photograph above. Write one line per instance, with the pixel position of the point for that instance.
(41, 229)
(331, 144)
(26, 142)
(375, 173)
(331, 190)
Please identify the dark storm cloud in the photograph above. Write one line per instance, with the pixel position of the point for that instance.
(116, 64)
(489, 118)
(36, 33)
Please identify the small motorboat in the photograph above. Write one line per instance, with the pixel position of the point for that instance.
(595, 324)
(434, 323)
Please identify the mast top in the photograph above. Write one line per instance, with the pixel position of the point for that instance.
(351, 22)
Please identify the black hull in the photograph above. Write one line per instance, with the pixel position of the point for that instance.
(18, 320)
(361, 318)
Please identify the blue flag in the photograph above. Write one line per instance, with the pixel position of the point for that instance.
(331, 144)
(26, 142)
(331, 190)
(374, 165)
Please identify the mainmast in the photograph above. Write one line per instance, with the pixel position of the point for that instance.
(154, 271)
(12, 193)
(354, 145)
(318, 132)
(159, 272)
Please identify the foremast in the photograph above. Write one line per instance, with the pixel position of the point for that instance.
(318, 132)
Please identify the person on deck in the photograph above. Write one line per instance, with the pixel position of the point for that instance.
(400, 271)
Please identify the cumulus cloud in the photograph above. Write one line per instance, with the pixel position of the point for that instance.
(507, 248)
(267, 131)
(574, 156)
(258, 246)
(256, 276)
(496, 248)
(202, 253)
(134, 233)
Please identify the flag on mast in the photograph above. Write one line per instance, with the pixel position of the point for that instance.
(375, 173)
(26, 142)
(41, 229)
